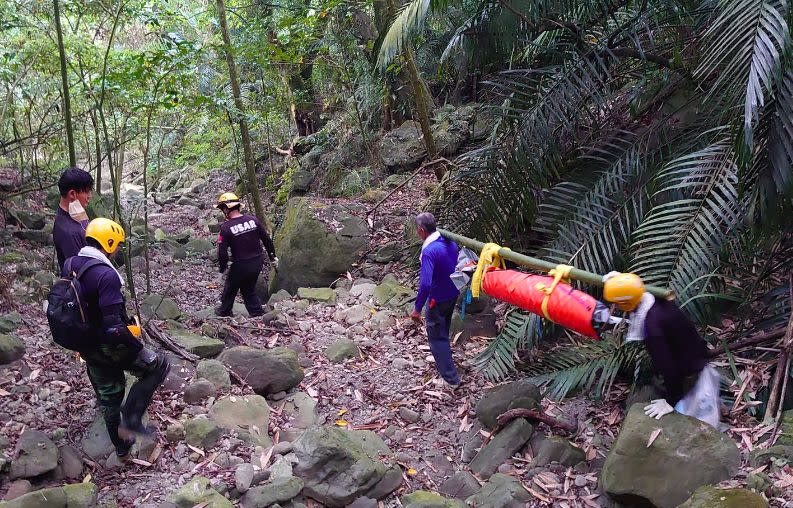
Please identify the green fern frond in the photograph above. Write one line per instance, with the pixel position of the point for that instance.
(519, 333)
(697, 212)
(745, 46)
(591, 365)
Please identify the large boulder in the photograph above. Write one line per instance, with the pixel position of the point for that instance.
(11, 349)
(555, 449)
(339, 466)
(76, 495)
(203, 347)
(461, 485)
(315, 244)
(198, 492)
(160, 307)
(268, 371)
(497, 400)
(501, 491)
(709, 496)
(202, 432)
(28, 219)
(402, 149)
(37, 455)
(10, 322)
(502, 447)
(247, 415)
(686, 455)
(390, 293)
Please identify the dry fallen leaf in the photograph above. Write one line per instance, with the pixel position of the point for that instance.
(653, 436)
(341, 423)
(412, 472)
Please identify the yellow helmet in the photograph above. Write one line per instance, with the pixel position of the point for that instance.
(108, 233)
(625, 290)
(228, 200)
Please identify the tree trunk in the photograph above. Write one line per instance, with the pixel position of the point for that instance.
(253, 185)
(98, 149)
(304, 108)
(67, 105)
(422, 109)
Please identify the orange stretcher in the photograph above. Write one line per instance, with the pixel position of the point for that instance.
(543, 295)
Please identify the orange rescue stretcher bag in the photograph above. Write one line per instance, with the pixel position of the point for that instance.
(545, 296)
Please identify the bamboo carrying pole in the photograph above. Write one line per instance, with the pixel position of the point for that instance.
(545, 266)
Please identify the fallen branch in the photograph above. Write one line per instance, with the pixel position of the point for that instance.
(168, 343)
(751, 341)
(534, 416)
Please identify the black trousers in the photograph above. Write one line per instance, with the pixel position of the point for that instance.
(242, 277)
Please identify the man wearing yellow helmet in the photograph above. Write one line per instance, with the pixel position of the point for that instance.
(677, 350)
(244, 235)
(116, 345)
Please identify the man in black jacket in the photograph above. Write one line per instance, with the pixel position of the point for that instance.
(116, 348)
(678, 352)
(68, 233)
(244, 235)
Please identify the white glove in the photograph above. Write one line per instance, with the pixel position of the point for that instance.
(275, 262)
(658, 408)
(610, 275)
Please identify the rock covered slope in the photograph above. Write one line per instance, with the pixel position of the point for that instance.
(330, 399)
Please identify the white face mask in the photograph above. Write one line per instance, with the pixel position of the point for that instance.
(77, 212)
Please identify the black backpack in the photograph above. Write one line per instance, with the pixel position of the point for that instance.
(67, 312)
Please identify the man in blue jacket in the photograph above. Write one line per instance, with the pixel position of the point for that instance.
(438, 292)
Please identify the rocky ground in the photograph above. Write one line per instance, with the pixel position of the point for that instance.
(331, 398)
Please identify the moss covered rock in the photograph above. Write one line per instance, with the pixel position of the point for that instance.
(711, 497)
(426, 499)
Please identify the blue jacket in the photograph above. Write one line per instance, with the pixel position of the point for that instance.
(438, 262)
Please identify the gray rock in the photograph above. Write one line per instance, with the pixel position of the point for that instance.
(686, 455)
(461, 485)
(340, 466)
(196, 492)
(342, 349)
(316, 243)
(17, 489)
(29, 219)
(709, 496)
(215, 372)
(77, 495)
(96, 442)
(202, 432)
(199, 345)
(280, 468)
(555, 449)
(356, 314)
(363, 502)
(160, 307)
(174, 432)
(10, 322)
(390, 293)
(70, 463)
(11, 349)
(247, 415)
(402, 149)
(198, 391)
(37, 455)
(243, 477)
(282, 448)
(281, 295)
(276, 491)
(267, 371)
(325, 295)
(497, 400)
(389, 252)
(501, 491)
(426, 499)
(302, 408)
(40, 237)
(199, 246)
(409, 415)
(501, 447)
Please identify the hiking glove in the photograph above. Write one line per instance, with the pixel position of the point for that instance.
(275, 262)
(658, 408)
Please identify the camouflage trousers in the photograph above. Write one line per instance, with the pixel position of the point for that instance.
(106, 366)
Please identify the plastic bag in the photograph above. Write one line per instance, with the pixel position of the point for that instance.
(466, 264)
(702, 401)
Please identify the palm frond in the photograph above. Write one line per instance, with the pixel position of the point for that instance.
(519, 333)
(696, 213)
(744, 46)
(410, 20)
(593, 364)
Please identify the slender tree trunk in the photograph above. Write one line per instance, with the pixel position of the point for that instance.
(98, 150)
(67, 105)
(146, 200)
(422, 109)
(253, 185)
